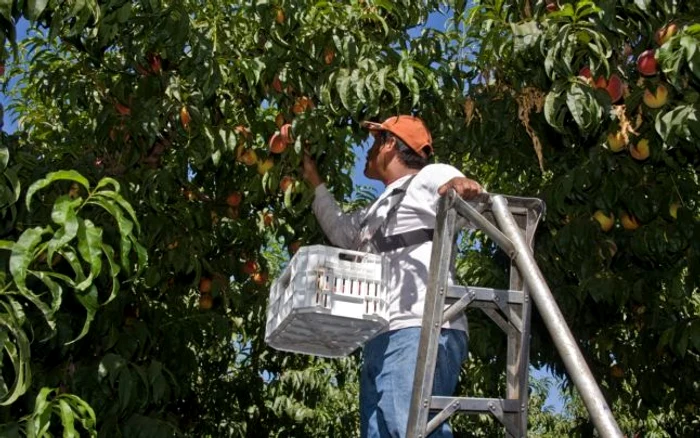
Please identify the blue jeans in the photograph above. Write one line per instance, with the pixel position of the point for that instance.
(386, 379)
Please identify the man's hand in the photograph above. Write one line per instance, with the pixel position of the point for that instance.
(310, 171)
(466, 188)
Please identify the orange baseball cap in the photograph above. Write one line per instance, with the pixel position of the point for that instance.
(410, 129)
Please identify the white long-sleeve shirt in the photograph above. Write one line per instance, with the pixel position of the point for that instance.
(408, 276)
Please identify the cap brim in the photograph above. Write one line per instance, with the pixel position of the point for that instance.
(372, 126)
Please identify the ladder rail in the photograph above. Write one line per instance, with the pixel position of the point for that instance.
(574, 361)
(510, 309)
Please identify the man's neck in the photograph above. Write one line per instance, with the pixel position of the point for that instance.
(400, 173)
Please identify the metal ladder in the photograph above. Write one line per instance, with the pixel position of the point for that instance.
(510, 222)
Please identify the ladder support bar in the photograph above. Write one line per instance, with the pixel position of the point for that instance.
(466, 210)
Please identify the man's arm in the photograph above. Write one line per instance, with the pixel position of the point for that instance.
(341, 228)
(466, 188)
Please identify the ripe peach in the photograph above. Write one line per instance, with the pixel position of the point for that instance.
(251, 267)
(286, 133)
(640, 151)
(616, 141)
(248, 157)
(243, 131)
(665, 33)
(265, 165)
(286, 182)
(279, 16)
(328, 55)
(122, 109)
(606, 222)
(615, 88)
(268, 218)
(277, 143)
(628, 221)
(185, 118)
(656, 99)
(206, 302)
(205, 285)
(234, 199)
(279, 120)
(646, 63)
(601, 82)
(585, 72)
(259, 278)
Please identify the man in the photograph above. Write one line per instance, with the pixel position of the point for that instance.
(399, 225)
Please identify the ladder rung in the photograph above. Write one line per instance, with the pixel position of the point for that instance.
(456, 292)
(475, 405)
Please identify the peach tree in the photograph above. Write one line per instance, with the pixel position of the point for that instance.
(593, 106)
(193, 117)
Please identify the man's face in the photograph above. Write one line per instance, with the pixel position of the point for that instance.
(372, 163)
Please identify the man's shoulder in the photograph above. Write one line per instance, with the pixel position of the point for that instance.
(438, 172)
(439, 168)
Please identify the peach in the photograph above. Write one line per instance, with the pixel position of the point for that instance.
(640, 151)
(606, 222)
(615, 88)
(279, 120)
(328, 55)
(616, 141)
(234, 199)
(286, 182)
(122, 109)
(279, 16)
(185, 118)
(268, 219)
(277, 143)
(265, 165)
(646, 63)
(205, 285)
(259, 278)
(665, 33)
(206, 302)
(629, 222)
(656, 99)
(251, 267)
(586, 72)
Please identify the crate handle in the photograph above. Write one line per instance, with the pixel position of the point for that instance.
(348, 257)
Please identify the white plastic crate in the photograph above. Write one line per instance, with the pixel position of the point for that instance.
(327, 302)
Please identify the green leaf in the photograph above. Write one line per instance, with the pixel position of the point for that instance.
(67, 419)
(63, 214)
(54, 288)
(124, 224)
(4, 156)
(584, 107)
(70, 175)
(34, 8)
(6, 10)
(23, 254)
(18, 354)
(114, 269)
(90, 246)
(89, 301)
(116, 197)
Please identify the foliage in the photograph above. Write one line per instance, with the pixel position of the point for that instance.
(563, 105)
(171, 105)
